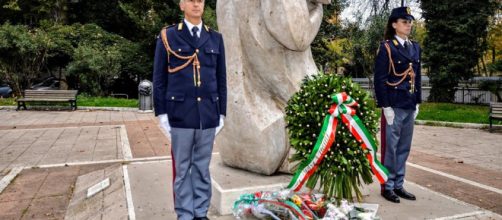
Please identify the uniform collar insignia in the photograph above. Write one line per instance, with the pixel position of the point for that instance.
(180, 26)
(395, 42)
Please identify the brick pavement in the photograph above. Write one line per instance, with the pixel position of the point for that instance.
(29, 138)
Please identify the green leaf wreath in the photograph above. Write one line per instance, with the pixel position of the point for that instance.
(345, 166)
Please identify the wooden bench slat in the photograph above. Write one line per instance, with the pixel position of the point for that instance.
(63, 97)
(49, 96)
(495, 112)
(46, 99)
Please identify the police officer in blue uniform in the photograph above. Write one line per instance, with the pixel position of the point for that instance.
(398, 92)
(190, 98)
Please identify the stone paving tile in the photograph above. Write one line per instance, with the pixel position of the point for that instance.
(39, 119)
(41, 193)
(140, 144)
(50, 207)
(460, 144)
(13, 210)
(455, 167)
(145, 136)
(56, 179)
(107, 204)
(461, 191)
(158, 141)
(24, 186)
(31, 147)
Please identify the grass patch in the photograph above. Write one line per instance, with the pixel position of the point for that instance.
(106, 102)
(83, 101)
(448, 112)
(7, 101)
(454, 113)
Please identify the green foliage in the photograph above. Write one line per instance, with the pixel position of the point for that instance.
(455, 40)
(496, 66)
(330, 27)
(93, 57)
(365, 41)
(495, 87)
(24, 54)
(98, 46)
(100, 58)
(345, 166)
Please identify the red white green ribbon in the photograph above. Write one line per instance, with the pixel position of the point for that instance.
(341, 108)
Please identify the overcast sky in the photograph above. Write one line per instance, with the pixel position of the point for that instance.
(364, 7)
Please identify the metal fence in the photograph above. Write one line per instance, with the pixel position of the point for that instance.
(464, 94)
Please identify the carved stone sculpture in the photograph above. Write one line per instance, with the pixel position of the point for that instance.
(268, 54)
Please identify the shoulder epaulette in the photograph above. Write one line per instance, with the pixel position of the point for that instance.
(167, 27)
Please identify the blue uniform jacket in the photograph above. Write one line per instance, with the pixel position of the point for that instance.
(175, 94)
(397, 96)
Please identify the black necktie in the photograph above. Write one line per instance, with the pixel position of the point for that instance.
(195, 29)
(408, 47)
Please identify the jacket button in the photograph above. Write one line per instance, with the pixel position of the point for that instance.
(179, 50)
(399, 61)
(198, 99)
(212, 51)
(172, 97)
(196, 50)
(395, 87)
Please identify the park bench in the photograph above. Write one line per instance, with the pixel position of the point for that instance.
(495, 112)
(48, 96)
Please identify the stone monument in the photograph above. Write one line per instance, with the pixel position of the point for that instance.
(268, 54)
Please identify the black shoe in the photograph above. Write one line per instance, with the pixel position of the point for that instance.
(390, 196)
(405, 195)
(201, 218)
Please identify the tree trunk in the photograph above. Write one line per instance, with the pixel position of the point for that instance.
(494, 59)
(484, 65)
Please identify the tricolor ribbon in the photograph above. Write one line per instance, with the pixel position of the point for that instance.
(342, 107)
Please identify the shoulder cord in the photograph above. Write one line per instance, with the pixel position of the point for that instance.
(408, 72)
(194, 59)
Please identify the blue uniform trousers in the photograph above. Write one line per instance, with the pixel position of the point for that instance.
(191, 155)
(396, 147)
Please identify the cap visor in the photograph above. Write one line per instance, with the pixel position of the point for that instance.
(409, 17)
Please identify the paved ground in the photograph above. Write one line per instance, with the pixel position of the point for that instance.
(454, 171)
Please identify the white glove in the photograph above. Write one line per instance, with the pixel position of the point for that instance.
(220, 126)
(164, 123)
(388, 112)
(416, 112)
